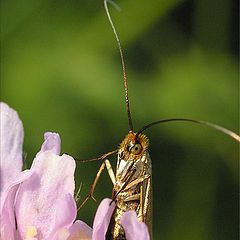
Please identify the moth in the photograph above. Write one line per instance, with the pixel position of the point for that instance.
(133, 176)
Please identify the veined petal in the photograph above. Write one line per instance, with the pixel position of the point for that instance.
(52, 143)
(41, 200)
(133, 228)
(102, 219)
(11, 146)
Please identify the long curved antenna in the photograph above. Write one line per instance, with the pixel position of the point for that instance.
(212, 125)
(123, 64)
(97, 158)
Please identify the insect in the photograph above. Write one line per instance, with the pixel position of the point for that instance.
(133, 177)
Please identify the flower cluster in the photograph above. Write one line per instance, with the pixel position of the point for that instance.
(38, 204)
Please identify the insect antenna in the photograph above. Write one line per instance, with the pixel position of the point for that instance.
(208, 124)
(123, 63)
(105, 155)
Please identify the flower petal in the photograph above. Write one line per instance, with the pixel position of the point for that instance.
(41, 200)
(102, 219)
(64, 217)
(52, 143)
(80, 230)
(133, 228)
(7, 215)
(11, 146)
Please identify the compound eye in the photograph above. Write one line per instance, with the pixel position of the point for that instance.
(136, 149)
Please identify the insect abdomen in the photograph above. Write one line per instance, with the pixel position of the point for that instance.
(115, 230)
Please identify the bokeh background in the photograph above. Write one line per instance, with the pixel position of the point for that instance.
(60, 69)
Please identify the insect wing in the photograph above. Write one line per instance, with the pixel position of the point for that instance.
(136, 176)
(147, 196)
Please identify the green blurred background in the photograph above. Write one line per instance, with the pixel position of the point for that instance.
(60, 69)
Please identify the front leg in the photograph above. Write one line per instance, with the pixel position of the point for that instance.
(111, 175)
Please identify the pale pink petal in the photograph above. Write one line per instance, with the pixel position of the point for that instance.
(133, 228)
(42, 198)
(102, 219)
(11, 138)
(11, 146)
(7, 215)
(80, 230)
(64, 217)
(52, 143)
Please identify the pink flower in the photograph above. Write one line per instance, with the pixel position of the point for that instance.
(39, 203)
(11, 166)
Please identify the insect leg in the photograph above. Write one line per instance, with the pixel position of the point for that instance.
(132, 197)
(133, 183)
(128, 178)
(112, 177)
(90, 194)
(141, 196)
(136, 181)
(144, 198)
(110, 171)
